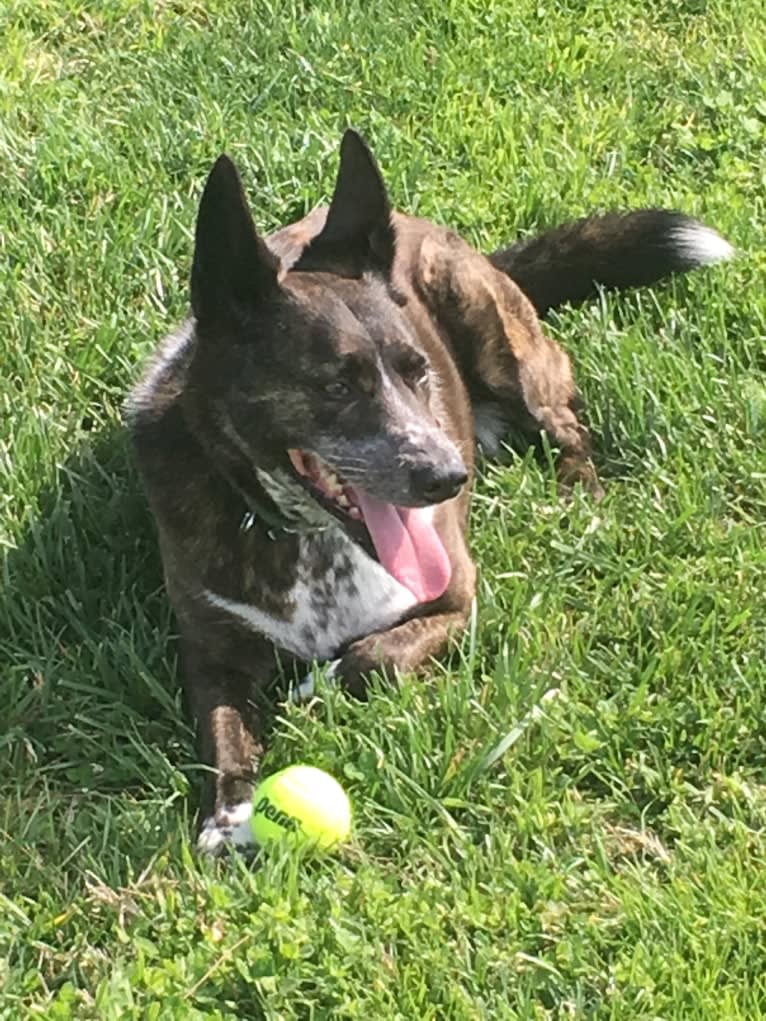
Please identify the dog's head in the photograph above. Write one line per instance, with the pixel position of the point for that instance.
(315, 374)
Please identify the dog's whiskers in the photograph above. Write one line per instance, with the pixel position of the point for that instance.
(353, 476)
(337, 462)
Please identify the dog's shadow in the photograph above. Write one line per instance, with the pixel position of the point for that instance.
(94, 739)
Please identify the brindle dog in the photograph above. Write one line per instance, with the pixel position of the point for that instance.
(306, 439)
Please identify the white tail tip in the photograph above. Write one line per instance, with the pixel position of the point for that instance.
(701, 245)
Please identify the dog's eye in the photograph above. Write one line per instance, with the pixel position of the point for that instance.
(337, 388)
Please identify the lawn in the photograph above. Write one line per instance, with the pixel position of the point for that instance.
(568, 818)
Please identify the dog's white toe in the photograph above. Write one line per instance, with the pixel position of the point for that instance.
(306, 690)
(230, 828)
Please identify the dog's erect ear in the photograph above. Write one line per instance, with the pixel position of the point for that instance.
(232, 267)
(358, 234)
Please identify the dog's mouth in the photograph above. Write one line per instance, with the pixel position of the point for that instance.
(324, 484)
(404, 538)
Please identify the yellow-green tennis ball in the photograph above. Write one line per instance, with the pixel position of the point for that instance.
(302, 806)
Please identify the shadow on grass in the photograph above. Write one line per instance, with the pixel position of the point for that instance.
(93, 724)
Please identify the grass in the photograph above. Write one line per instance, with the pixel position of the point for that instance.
(600, 853)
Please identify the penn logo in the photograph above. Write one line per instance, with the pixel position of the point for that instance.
(277, 816)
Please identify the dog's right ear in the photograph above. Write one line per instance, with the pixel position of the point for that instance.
(233, 269)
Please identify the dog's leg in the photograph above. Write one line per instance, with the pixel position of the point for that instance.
(530, 377)
(551, 400)
(514, 372)
(226, 811)
(229, 739)
(404, 649)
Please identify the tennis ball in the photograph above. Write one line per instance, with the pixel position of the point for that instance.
(302, 806)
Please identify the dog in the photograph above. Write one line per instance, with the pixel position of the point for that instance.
(306, 439)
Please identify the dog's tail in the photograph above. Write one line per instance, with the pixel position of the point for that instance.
(617, 250)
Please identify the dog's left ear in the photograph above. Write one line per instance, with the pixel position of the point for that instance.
(358, 234)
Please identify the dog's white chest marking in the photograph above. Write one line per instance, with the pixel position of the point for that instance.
(353, 597)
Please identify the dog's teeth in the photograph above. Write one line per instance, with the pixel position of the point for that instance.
(331, 481)
(343, 500)
(355, 513)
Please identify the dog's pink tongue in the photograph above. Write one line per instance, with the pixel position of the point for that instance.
(408, 546)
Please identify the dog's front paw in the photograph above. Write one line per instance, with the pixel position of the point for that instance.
(229, 827)
(574, 470)
(306, 690)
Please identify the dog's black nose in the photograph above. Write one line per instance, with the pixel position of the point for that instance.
(434, 484)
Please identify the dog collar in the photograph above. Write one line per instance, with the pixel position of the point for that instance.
(277, 525)
(265, 510)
